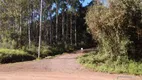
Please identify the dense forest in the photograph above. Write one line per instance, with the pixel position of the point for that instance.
(31, 29)
(37, 25)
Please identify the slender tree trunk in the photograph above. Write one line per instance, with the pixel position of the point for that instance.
(29, 31)
(20, 21)
(75, 32)
(50, 33)
(63, 19)
(39, 46)
(29, 34)
(71, 29)
(50, 29)
(67, 30)
(29, 25)
(57, 8)
(20, 28)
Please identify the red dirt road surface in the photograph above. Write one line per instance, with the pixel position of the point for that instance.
(62, 67)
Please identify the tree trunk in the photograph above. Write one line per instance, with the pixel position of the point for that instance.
(50, 33)
(39, 46)
(63, 21)
(71, 29)
(57, 8)
(29, 33)
(67, 31)
(29, 25)
(50, 30)
(20, 28)
(75, 33)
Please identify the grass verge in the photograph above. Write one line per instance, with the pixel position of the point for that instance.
(102, 64)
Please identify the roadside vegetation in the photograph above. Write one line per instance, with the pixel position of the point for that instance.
(117, 30)
(101, 63)
(13, 55)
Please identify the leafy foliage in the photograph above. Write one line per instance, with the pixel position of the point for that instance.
(8, 40)
(45, 51)
(100, 63)
(115, 28)
(11, 55)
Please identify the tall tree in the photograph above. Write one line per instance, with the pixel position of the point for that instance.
(29, 22)
(57, 10)
(39, 46)
(63, 22)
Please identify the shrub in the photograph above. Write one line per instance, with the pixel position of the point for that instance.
(93, 61)
(115, 27)
(45, 51)
(11, 55)
(57, 50)
(6, 41)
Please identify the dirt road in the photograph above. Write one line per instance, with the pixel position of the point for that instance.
(62, 67)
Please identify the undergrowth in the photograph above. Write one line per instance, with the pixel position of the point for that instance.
(12, 55)
(102, 63)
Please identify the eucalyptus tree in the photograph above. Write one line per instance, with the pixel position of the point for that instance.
(13, 17)
(57, 20)
(29, 20)
(39, 46)
(23, 18)
(50, 12)
(64, 8)
(74, 8)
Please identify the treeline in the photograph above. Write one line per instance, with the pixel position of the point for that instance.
(62, 24)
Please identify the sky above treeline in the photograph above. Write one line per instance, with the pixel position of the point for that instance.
(86, 2)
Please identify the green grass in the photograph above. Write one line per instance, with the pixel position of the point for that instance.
(100, 63)
(12, 55)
